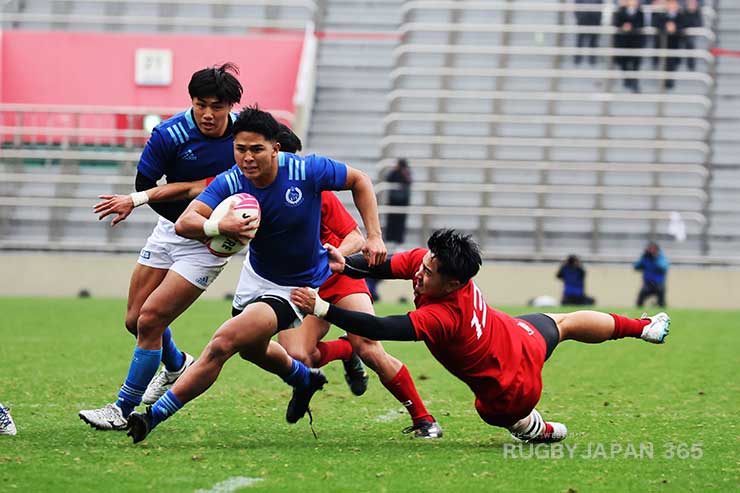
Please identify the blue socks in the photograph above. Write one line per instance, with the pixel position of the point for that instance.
(172, 357)
(143, 367)
(166, 406)
(298, 376)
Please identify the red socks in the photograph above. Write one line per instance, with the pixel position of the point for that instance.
(402, 387)
(627, 327)
(334, 350)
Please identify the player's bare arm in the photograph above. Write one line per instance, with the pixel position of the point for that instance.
(363, 195)
(123, 205)
(195, 224)
(352, 243)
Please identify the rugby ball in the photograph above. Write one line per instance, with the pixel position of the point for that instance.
(245, 205)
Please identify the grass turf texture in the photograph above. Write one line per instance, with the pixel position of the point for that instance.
(59, 356)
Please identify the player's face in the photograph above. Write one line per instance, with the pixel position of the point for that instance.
(256, 157)
(211, 116)
(428, 281)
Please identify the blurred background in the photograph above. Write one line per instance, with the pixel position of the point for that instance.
(535, 126)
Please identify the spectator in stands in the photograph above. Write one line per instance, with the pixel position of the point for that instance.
(588, 19)
(573, 275)
(654, 266)
(652, 19)
(692, 19)
(395, 230)
(629, 20)
(671, 24)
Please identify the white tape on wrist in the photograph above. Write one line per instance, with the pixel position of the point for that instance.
(320, 307)
(139, 198)
(210, 228)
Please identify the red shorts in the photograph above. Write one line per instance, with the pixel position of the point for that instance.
(338, 286)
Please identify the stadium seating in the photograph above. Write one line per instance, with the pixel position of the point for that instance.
(491, 87)
(507, 138)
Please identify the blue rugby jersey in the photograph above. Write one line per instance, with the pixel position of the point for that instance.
(178, 150)
(287, 248)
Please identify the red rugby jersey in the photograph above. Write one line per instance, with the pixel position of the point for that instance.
(492, 352)
(336, 221)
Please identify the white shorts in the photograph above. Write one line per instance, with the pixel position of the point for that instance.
(251, 286)
(165, 249)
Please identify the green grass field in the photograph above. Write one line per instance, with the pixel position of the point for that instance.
(618, 399)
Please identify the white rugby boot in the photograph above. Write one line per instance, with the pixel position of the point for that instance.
(109, 417)
(7, 426)
(658, 328)
(164, 380)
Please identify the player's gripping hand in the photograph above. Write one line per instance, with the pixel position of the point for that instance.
(121, 205)
(233, 226)
(308, 301)
(304, 299)
(374, 251)
(336, 259)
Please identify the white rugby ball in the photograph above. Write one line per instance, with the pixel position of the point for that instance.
(245, 205)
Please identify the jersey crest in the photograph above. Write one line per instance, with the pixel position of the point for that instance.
(293, 196)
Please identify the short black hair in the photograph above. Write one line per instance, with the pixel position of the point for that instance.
(217, 82)
(458, 256)
(253, 119)
(289, 142)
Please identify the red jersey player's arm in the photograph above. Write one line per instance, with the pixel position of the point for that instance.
(356, 266)
(392, 328)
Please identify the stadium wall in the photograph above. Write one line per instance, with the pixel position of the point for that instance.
(64, 275)
(81, 68)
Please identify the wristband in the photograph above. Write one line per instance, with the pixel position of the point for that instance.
(210, 228)
(139, 198)
(320, 307)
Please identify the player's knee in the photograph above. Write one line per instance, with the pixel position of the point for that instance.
(131, 325)
(371, 352)
(221, 349)
(150, 323)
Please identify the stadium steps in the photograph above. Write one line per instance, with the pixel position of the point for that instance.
(724, 185)
(354, 63)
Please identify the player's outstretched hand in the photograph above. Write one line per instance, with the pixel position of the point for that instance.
(304, 299)
(233, 226)
(336, 259)
(374, 251)
(121, 205)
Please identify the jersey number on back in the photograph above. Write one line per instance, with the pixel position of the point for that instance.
(479, 312)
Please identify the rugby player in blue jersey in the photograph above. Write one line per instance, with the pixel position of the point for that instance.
(285, 252)
(172, 271)
(304, 343)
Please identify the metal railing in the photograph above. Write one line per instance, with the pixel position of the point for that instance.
(544, 165)
(444, 27)
(75, 125)
(526, 6)
(609, 121)
(542, 73)
(60, 13)
(549, 51)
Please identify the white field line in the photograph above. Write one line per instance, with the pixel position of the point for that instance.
(231, 484)
(391, 415)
